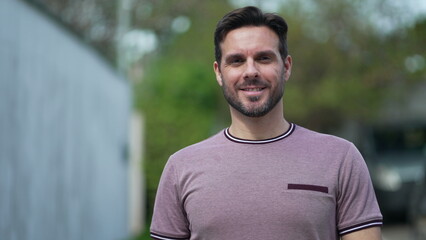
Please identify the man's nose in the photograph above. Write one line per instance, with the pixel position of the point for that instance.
(251, 70)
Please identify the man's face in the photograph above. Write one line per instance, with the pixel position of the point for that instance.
(252, 72)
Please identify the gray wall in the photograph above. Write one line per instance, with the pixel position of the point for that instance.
(64, 116)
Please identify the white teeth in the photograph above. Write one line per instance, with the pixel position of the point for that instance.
(253, 89)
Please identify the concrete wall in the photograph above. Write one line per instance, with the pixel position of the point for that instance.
(64, 116)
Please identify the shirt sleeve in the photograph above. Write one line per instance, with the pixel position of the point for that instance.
(357, 206)
(169, 220)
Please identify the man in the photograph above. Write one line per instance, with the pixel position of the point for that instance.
(263, 177)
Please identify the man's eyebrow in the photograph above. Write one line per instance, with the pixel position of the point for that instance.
(233, 56)
(265, 52)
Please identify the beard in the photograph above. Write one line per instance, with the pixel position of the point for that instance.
(254, 110)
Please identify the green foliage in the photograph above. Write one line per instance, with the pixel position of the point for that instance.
(179, 100)
(179, 95)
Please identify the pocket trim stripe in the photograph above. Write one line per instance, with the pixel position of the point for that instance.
(308, 187)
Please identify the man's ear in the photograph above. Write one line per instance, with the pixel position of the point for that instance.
(288, 63)
(218, 74)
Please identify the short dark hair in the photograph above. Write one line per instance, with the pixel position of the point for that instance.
(250, 16)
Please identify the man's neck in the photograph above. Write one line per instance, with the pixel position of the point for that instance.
(271, 125)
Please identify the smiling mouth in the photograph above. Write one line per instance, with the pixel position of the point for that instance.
(253, 89)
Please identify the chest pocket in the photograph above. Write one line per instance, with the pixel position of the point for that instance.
(311, 206)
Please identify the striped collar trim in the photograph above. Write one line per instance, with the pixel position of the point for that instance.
(269, 140)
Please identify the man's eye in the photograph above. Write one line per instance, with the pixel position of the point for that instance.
(264, 59)
(236, 61)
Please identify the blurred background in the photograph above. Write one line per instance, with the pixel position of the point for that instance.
(95, 95)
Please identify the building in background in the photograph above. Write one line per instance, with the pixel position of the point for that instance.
(394, 146)
(68, 166)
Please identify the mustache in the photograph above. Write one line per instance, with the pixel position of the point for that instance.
(253, 82)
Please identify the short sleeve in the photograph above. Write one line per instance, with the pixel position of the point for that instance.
(169, 219)
(357, 206)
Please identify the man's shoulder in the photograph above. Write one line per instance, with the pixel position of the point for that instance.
(314, 137)
(207, 145)
(324, 146)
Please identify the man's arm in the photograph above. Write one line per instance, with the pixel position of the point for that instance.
(373, 233)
